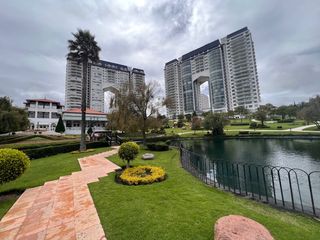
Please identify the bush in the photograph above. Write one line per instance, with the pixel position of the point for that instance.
(262, 126)
(158, 131)
(47, 150)
(158, 146)
(243, 132)
(286, 121)
(256, 125)
(239, 124)
(253, 125)
(142, 175)
(279, 127)
(128, 151)
(13, 163)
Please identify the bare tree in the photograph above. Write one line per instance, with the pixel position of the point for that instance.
(143, 104)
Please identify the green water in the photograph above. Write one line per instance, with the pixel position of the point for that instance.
(250, 165)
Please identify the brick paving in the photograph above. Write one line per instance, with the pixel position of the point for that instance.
(60, 209)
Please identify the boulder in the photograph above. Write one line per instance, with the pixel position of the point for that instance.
(234, 227)
(148, 156)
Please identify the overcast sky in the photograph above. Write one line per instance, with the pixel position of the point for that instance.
(147, 34)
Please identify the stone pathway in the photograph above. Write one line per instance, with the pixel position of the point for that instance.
(60, 209)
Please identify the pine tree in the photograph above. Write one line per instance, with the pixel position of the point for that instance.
(60, 126)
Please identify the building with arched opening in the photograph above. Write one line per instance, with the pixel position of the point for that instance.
(103, 76)
(227, 66)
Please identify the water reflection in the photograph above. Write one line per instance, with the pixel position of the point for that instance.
(248, 165)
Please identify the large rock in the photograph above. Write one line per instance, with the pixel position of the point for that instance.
(234, 227)
(147, 156)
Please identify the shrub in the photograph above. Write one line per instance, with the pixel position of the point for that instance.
(128, 151)
(158, 131)
(158, 146)
(13, 163)
(290, 120)
(262, 126)
(279, 127)
(49, 150)
(142, 175)
(243, 132)
(253, 125)
(239, 124)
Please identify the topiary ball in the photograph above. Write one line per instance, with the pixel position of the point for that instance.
(13, 163)
(128, 151)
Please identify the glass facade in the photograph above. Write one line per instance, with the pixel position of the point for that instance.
(216, 80)
(186, 78)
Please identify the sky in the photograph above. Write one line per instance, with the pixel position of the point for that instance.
(147, 34)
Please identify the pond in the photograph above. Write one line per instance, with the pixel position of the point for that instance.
(284, 172)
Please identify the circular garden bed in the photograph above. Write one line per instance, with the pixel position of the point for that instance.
(142, 175)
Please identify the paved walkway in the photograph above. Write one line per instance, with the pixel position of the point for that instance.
(60, 209)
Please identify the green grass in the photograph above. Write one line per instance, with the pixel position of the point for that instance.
(5, 204)
(42, 170)
(311, 129)
(182, 207)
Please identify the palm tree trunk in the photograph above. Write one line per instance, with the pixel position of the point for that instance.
(83, 105)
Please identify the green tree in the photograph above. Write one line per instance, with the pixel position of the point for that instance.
(83, 49)
(12, 118)
(60, 126)
(180, 121)
(194, 114)
(261, 114)
(242, 111)
(215, 122)
(128, 151)
(311, 112)
(283, 111)
(188, 117)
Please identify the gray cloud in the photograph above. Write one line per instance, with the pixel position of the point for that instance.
(146, 34)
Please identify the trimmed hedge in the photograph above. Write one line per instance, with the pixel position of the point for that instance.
(13, 164)
(158, 146)
(15, 139)
(290, 120)
(239, 124)
(45, 151)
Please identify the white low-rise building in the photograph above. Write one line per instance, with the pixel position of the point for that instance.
(43, 114)
(72, 120)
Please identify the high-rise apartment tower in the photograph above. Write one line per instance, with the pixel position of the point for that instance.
(102, 77)
(229, 67)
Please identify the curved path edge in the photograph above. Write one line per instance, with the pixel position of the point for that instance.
(60, 209)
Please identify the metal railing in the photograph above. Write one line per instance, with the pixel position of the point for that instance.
(288, 188)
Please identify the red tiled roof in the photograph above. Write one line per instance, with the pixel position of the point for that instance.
(42, 100)
(88, 111)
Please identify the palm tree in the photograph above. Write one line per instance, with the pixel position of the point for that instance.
(83, 49)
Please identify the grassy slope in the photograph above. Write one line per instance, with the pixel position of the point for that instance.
(311, 129)
(182, 207)
(40, 171)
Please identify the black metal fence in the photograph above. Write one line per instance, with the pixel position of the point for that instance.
(289, 188)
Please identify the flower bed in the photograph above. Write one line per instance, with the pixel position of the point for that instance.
(142, 175)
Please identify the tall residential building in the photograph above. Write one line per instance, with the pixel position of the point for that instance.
(102, 77)
(204, 102)
(229, 67)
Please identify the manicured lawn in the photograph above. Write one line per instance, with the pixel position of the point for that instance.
(312, 129)
(40, 171)
(182, 207)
